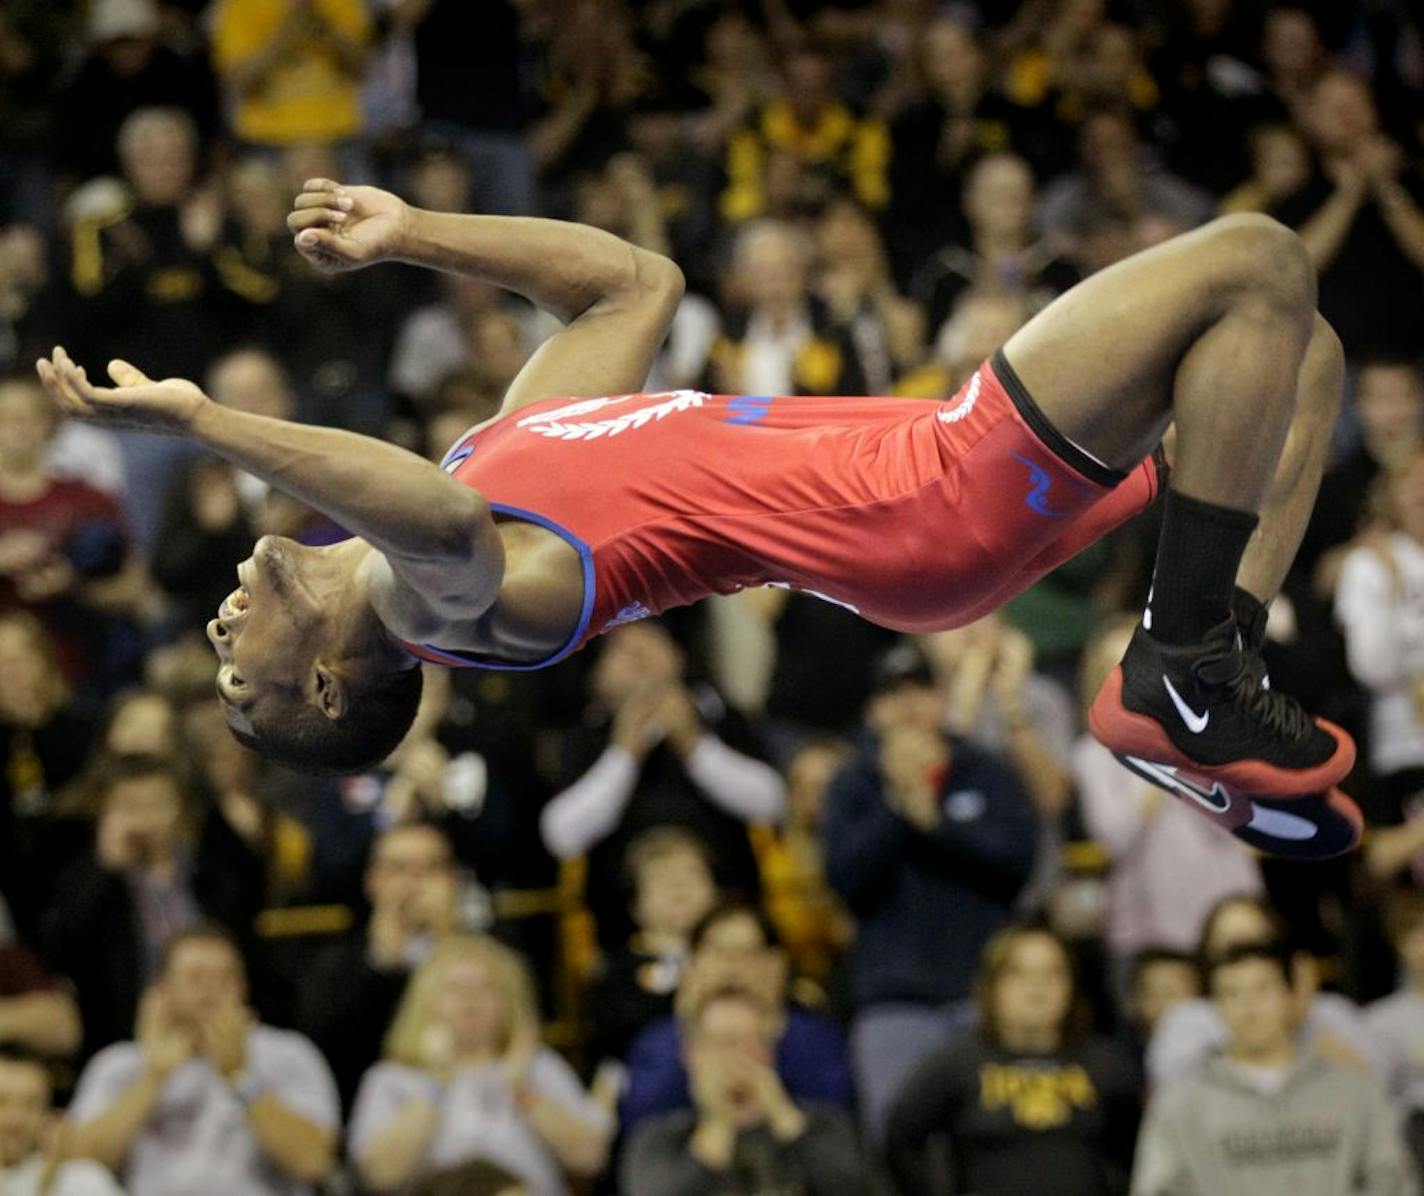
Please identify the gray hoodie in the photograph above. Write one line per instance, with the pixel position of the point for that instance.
(1328, 1131)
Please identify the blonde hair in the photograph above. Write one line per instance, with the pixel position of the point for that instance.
(519, 1013)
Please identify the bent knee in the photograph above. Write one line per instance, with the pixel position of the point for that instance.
(1322, 372)
(1263, 256)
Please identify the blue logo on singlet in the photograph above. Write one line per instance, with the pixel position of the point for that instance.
(1037, 498)
(749, 409)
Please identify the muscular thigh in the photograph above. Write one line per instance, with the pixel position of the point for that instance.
(1099, 361)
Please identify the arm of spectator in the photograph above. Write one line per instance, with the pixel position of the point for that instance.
(1115, 806)
(1325, 231)
(395, 1116)
(1366, 608)
(47, 1022)
(565, 1117)
(345, 28)
(589, 809)
(116, 1098)
(746, 787)
(296, 1144)
(926, 1107)
(1160, 1168)
(864, 838)
(1404, 217)
(245, 53)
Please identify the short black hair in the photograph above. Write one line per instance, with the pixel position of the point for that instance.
(23, 1056)
(1271, 951)
(302, 738)
(1150, 957)
(735, 906)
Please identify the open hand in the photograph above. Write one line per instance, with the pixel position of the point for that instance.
(342, 228)
(136, 401)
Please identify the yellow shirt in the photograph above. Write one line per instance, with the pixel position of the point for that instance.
(307, 94)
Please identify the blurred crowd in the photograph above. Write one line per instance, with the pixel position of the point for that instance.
(758, 898)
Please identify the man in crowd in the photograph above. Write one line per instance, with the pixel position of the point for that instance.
(28, 1165)
(1264, 1116)
(745, 1135)
(207, 1099)
(930, 842)
(349, 995)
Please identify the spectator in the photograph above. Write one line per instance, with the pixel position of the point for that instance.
(64, 552)
(1189, 1032)
(809, 917)
(1362, 220)
(670, 879)
(886, 330)
(207, 1098)
(204, 533)
(1000, 251)
(1158, 979)
(292, 68)
(827, 147)
(735, 946)
(1117, 178)
(349, 994)
(777, 339)
(1396, 1023)
(156, 869)
(980, 323)
(1169, 867)
(1025, 1101)
(473, 89)
(744, 1134)
(471, 1179)
(30, 1163)
(930, 842)
(1264, 1115)
(1377, 607)
(1389, 408)
(37, 1012)
(43, 738)
(936, 142)
(1280, 166)
(127, 66)
(466, 1078)
(656, 751)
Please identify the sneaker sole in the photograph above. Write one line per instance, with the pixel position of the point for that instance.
(1315, 826)
(1127, 733)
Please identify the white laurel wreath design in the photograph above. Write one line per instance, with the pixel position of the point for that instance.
(555, 425)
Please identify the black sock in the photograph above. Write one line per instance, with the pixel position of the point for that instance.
(1197, 558)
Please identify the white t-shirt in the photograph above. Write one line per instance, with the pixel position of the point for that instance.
(1381, 613)
(198, 1139)
(78, 1178)
(478, 1117)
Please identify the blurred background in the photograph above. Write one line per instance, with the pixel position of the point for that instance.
(757, 898)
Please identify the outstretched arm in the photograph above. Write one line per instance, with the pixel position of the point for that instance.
(617, 299)
(414, 513)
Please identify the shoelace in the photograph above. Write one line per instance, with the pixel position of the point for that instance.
(1243, 675)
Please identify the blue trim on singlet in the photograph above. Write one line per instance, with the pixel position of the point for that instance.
(585, 556)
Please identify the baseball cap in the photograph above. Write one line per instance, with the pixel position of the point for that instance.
(904, 664)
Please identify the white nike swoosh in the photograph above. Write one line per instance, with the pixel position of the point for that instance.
(1216, 799)
(1196, 723)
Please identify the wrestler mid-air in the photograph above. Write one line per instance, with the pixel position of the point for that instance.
(584, 504)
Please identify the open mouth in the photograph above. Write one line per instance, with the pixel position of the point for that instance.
(235, 603)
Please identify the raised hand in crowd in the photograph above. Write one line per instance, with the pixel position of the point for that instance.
(165, 1042)
(913, 762)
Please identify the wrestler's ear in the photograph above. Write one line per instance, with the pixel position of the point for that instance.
(330, 691)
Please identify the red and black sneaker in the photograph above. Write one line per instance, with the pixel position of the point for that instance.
(1202, 722)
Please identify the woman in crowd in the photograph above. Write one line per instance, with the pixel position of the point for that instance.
(1027, 1100)
(466, 1077)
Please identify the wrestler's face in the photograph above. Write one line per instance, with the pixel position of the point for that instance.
(268, 631)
